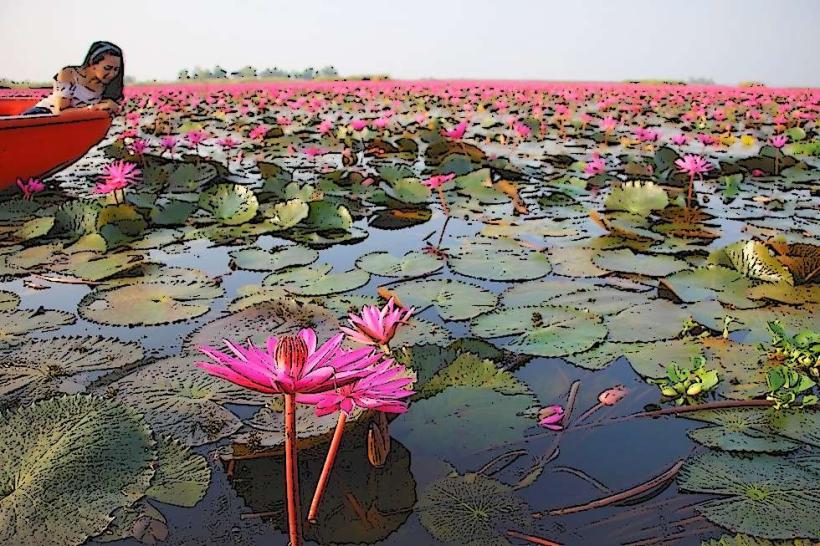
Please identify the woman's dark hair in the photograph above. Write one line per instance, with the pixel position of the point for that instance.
(96, 52)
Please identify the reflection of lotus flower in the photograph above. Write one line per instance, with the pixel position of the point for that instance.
(551, 417)
(376, 326)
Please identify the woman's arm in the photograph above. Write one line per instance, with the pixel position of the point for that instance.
(62, 89)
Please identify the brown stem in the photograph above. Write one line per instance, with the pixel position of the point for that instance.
(531, 539)
(720, 404)
(443, 229)
(65, 280)
(512, 455)
(325, 476)
(573, 394)
(292, 472)
(636, 491)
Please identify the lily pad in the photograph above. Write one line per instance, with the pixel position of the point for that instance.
(499, 259)
(8, 300)
(469, 370)
(40, 368)
(753, 260)
(411, 264)
(317, 281)
(637, 198)
(740, 429)
(165, 296)
(656, 320)
(472, 510)
(454, 300)
(276, 259)
(541, 330)
(16, 324)
(66, 464)
(182, 477)
(230, 204)
(763, 495)
(625, 261)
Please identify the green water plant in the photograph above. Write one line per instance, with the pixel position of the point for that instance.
(687, 385)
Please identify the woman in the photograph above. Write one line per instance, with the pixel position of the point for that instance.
(95, 85)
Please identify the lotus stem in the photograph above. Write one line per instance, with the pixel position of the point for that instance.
(292, 472)
(329, 460)
(443, 229)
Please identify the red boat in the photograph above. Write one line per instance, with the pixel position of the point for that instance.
(41, 145)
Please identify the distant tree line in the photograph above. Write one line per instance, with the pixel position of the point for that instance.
(250, 72)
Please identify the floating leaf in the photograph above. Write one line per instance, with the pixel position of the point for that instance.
(326, 215)
(411, 264)
(469, 370)
(180, 400)
(746, 540)
(711, 282)
(472, 510)
(169, 295)
(66, 464)
(752, 259)
(626, 261)
(541, 330)
(454, 300)
(637, 198)
(764, 496)
(499, 259)
(43, 367)
(16, 324)
(276, 259)
(182, 477)
(739, 429)
(286, 214)
(8, 300)
(230, 204)
(656, 320)
(317, 281)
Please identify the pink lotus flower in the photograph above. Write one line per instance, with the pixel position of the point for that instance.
(133, 118)
(117, 176)
(693, 165)
(30, 187)
(437, 181)
(258, 132)
(227, 143)
(551, 417)
(523, 130)
(284, 121)
(139, 146)
(196, 137)
(382, 390)
(778, 141)
(421, 117)
(608, 124)
(290, 364)
(376, 326)
(457, 133)
(168, 143)
(358, 124)
(758, 172)
(381, 123)
(596, 166)
(679, 140)
(325, 127)
(313, 151)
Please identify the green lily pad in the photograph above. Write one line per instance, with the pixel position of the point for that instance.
(276, 259)
(40, 368)
(283, 316)
(285, 214)
(119, 224)
(454, 300)
(34, 228)
(317, 281)
(182, 477)
(326, 215)
(66, 464)
(469, 370)
(541, 330)
(8, 300)
(753, 260)
(711, 282)
(637, 198)
(180, 400)
(165, 296)
(461, 421)
(472, 510)
(420, 331)
(746, 540)
(411, 264)
(499, 259)
(230, 204)
(739, 429)
(16, 324)
(763, 495)
(625, 261)
(656, 320)
(91, 266)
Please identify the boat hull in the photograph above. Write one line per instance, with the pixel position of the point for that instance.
(39, 146)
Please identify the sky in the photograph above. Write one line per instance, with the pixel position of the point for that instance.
(729, 41)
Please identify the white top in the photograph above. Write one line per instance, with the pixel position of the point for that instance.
(78, 94)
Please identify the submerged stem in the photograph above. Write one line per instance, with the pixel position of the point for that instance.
(325, 476)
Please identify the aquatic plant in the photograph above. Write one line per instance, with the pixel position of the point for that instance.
(693, 165)
(374, 326)
(687, 385)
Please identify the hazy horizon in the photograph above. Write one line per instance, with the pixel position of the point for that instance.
(596, 40)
